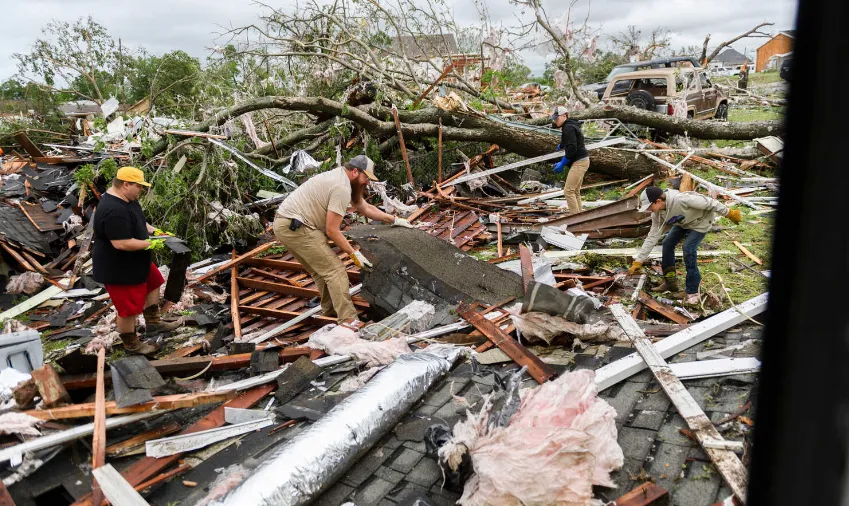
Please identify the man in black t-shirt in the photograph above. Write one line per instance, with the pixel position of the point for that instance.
(122, 259)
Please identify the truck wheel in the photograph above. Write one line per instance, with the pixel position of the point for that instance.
(722, 112)
(641, 99)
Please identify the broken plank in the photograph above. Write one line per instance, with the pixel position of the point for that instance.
(626, 367)
(286, 315)
(284, 265)
(643, 495)
(5, 497)
(116, 488)
(163, 402)
(234, 262)
(18, 258)
(24, 141)
(234, 299)
(135, 444)
(748, 253)
(98, 443)
(538, 369)
(81, 431)
(527, 264)
(166, 447)
(50, 387)
(715, 368)
(652, 303)
(147, 467)
(726, 461)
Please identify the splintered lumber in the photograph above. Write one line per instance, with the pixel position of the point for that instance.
(527, 265)
(652, 303)
(116, 488)
(538, 369)
(234, 300)
(403, 146)
(626, 367)
(147, 467)
(16, 452)
(234, 262)
(50, 387)
(639, 287)
(643, 495)
(28, 146)
(726, 461)
(182, 443)
(303, 316)
(748, 253)
(98, 443)
(135, 444)
(164, 402)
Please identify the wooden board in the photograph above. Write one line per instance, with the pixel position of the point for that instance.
(538, 369)
(652, 303)
(158, 403)
(135, 444)
(726, 461)
(527, 264)
(116, 488)
(748, 253)
(643, 495)
(234, 262)
(44, 222)
(98, 443)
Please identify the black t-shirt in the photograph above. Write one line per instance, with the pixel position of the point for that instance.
(115, 220)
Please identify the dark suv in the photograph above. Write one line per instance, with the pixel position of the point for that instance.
(678, 61)
(784, 71)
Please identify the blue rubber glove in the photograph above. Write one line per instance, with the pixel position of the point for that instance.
(558, 147)
(562, 164)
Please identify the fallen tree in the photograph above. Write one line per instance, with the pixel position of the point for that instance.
(473, 126)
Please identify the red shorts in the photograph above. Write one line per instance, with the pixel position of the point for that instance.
(129, 299)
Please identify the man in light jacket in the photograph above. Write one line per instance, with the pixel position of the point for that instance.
(690, 216)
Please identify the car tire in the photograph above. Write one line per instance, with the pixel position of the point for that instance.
(641, 99)
(722, 112)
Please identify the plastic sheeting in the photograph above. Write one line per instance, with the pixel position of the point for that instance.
(298, 471)
(560, 443)
(536, 327)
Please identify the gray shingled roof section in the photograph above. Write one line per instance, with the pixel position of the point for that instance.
(426, 46)
(731, 57)
(16, 228)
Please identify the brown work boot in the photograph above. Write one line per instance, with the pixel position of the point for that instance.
(670, 281)
(154, 323)
(133, 345)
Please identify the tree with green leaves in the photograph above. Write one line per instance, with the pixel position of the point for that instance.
(79, 58)
(170, 81)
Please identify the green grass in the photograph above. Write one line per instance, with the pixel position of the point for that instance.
(765, 77)
(50, 346)
(737, 114)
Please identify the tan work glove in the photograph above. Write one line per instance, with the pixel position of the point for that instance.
(636, 266)
(360, 260)
(734, 215)
(402, 222)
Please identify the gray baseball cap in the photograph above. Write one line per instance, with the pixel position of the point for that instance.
(648, 197)
(364, 164)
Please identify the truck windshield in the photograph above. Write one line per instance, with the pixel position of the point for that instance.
(620, 70)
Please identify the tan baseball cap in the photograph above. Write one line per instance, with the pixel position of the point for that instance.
(364, 164)
(131, 175)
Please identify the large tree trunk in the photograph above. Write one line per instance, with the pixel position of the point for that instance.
(473, 126)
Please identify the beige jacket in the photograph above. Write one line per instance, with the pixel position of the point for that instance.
(688, 210)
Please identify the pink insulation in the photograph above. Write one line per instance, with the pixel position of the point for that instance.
(560, 443)
(337, 340)
(29, 283)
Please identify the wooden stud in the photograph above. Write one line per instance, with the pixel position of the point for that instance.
(726, 461)
(234, 262)
(143, 469)
(135, 444)
(18, 258)
(98, 443)
(439, 154)
(643, 495)
(748, 253)
(50, 386)
(403, 146)
(116, 488)
(234, 296)
(158, 403)
(527, 264)
(538, 369)
(652, 303)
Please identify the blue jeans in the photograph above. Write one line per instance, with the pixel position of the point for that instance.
(691, 246)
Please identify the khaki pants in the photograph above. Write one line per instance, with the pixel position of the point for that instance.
(310, 248)
(572, 188)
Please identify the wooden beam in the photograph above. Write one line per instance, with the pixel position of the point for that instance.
(116, 488)
(726, 461)
(285, 315)
(135, 444)
(353, 275)
(234, 298)
(643, 495)
(158, 403)
(439, 154)
(50, 387)
(18, 258)
(748, 253)
(5, 497)
(98, 443)
(234, 262)
(24, 141)
(538, 369)
(626, 367)
(652, 303)
(527, 264)
(147, 467)
(444, 73)
(403, 146)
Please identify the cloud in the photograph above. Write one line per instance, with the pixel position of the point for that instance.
(195, 26)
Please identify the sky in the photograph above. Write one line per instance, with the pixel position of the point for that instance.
(195, 26)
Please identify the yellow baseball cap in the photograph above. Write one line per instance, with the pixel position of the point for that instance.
(131, 175)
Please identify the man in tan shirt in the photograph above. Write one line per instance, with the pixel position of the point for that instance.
(314, 212)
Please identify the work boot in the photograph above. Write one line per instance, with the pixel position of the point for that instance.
(154, 324)
(670, 281)
(134, 346)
